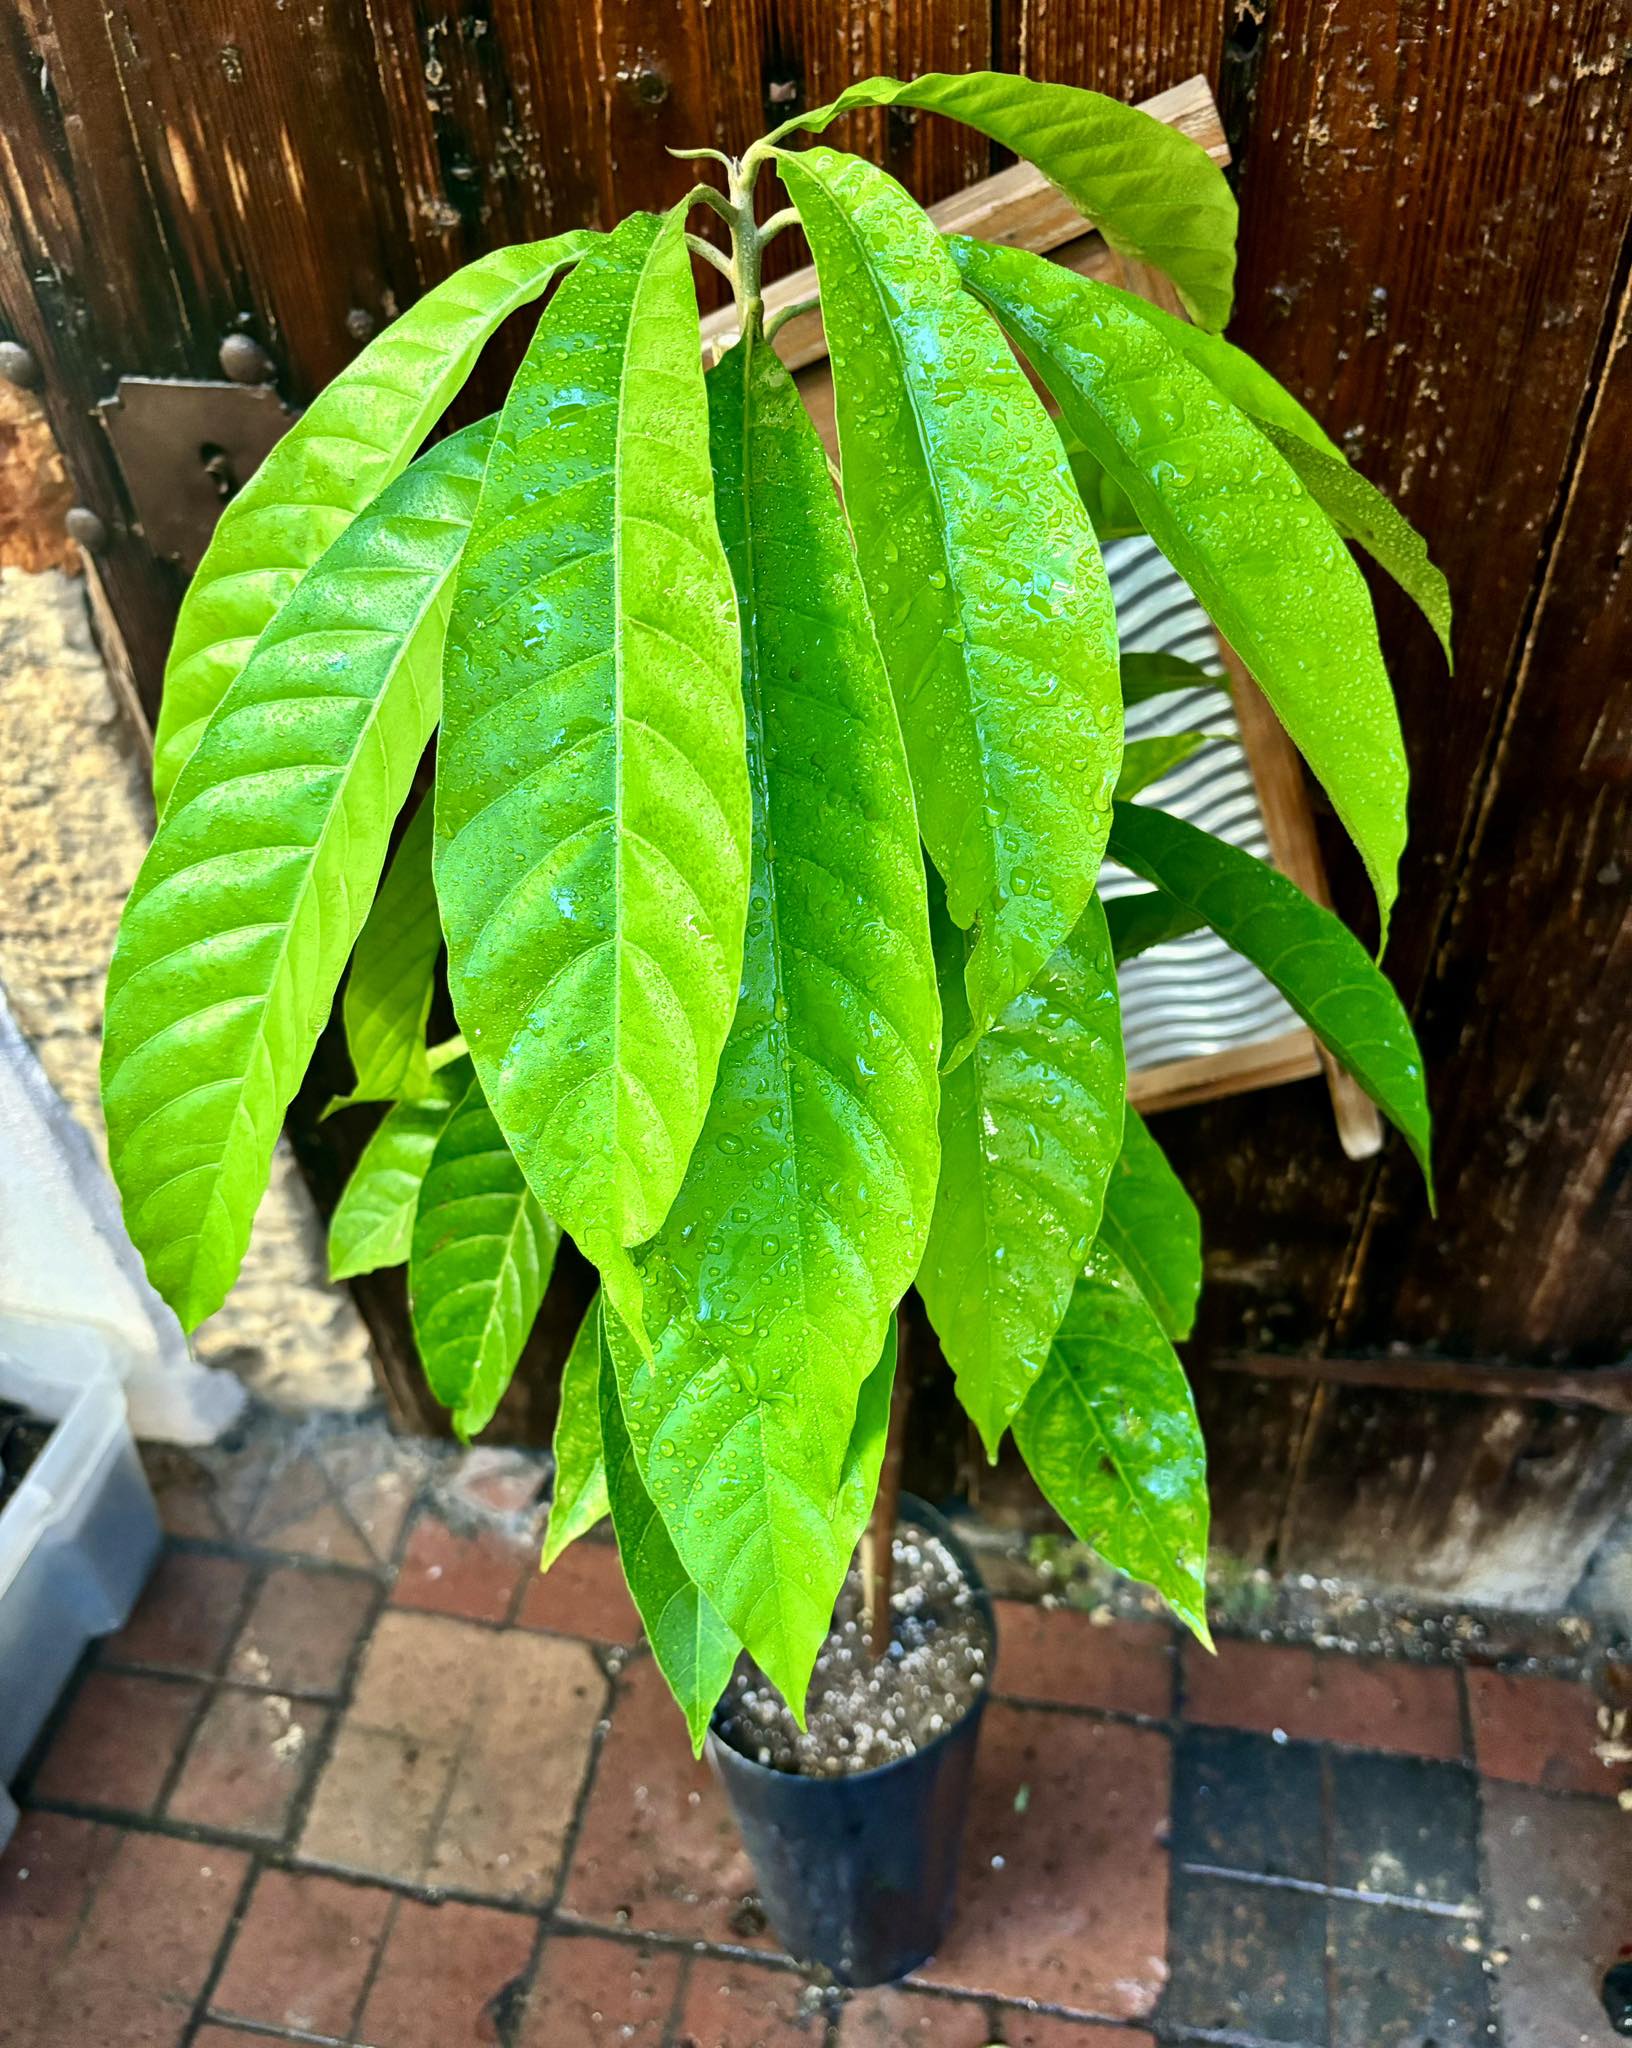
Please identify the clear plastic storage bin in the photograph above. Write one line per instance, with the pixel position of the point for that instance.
(77, 1540)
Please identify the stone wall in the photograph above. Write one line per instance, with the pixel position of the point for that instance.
(75, 815)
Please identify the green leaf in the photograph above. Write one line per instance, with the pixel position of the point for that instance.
(393, 976)
(373, 1222)
(804, 1212)
(1152, 1226)
(1030, 1125)
(592, 807)
(1245, 383)
(1233, 519)
(259, 878)
(354, 437)
(695, 1651)
(1147, 761)
(1320, 968)
(987, 592)
(1158, 675)
(478, 1265)
(1110, 1435)
(1147, 919)
(1359, 510)
(579, 1498)
(1153, 193)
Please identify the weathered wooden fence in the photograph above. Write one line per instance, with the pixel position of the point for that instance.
(1435, 240)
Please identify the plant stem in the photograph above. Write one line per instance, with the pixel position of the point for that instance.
(878, 1545)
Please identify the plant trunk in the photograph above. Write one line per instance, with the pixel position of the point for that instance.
(878, 1545)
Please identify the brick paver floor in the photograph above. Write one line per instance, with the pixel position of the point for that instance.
(353, 1775)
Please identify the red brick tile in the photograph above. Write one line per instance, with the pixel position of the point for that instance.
(460, 1760)
(1364, 1702)
(144, 1949)
(517, 1782)
(301, 1630)
(226, 2037)
(891, 2018)
(48, 1875)
(1047, 2030)
(186, 1618)
(247, 1763)
(185, 1492)
(1067, 1658)
(1064, 1893)
(1539, 1731)
(302, 1955)
(473, 1577)
(119, 1740)
(594, 1993)
(659, 1850)
(582, 1594)
(739, 2005)
(446, 1978)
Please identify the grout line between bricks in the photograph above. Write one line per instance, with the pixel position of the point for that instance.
(218, 1962)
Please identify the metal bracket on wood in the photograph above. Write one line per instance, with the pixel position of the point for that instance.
(185, 449)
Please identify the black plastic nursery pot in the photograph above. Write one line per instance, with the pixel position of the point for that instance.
(858, 1873)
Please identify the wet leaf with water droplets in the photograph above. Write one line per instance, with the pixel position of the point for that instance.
(350, 442)
(1316, 963)
(1110, 1434)
(479, 1263)
(1151, 1224)
(592, 808)
(1030, 1125)
(983, 576)
(1152, 192)
(1233, 518)
(803, 1214)
(261, 872)
(694, 1649)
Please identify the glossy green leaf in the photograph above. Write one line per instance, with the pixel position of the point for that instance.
(1110, 1435)
(1244, 382)
(354, 437)
(592, 807)
(578, 1499)
(829, 1535)
(1147, 919)
(1234, 520)
(1315, 962)
(1159, 675)
(1147, 761)
(987, 592)
(259, 878)
(393, 976)
(804, 1212)
(479, 1262)
(1153, 193)
(1152, 1226)
(695, 1651)
(1359, 510)
(1355, 506)
(373, 1221)
(1030, 1125)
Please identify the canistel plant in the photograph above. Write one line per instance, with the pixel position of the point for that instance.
(768, 809)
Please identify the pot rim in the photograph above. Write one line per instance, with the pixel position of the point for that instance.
(912, 1509)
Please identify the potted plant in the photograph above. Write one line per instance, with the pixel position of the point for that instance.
(763, 845)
